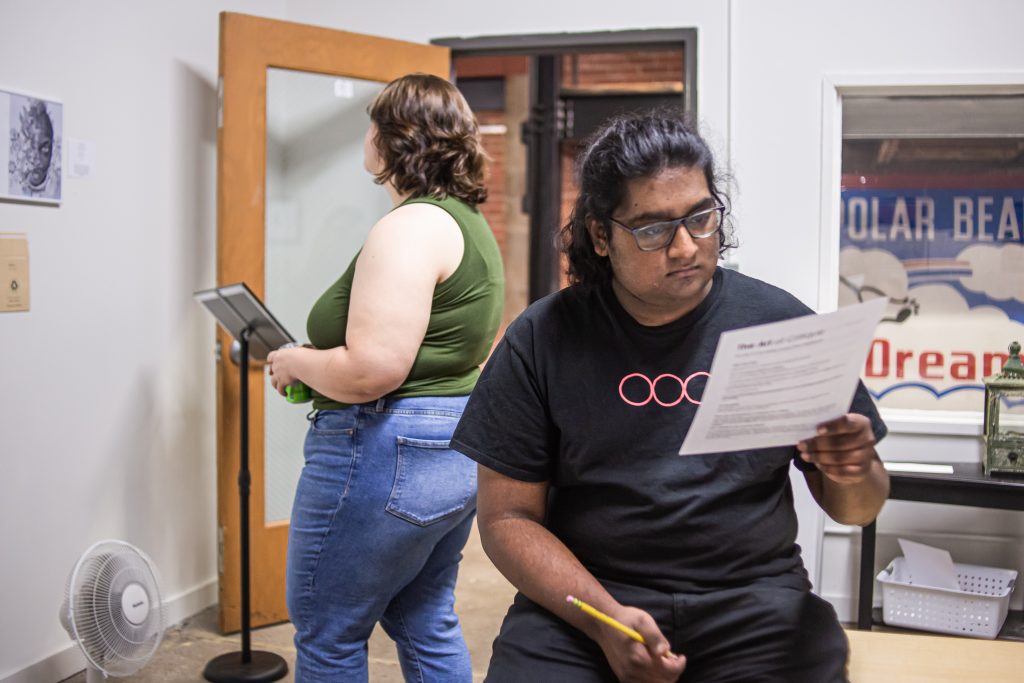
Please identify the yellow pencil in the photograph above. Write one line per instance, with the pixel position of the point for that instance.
(604, 618)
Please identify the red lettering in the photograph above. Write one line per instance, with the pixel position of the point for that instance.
(929, 360)
(877, 366)
(994, 363)
(962, 366)
(901, 358)
(966, 368)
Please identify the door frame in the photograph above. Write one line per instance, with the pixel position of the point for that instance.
(543, 130)
(250, 45)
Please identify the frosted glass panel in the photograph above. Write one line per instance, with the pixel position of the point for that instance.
(320, 205)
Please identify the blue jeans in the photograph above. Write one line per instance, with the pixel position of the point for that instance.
(382, 511)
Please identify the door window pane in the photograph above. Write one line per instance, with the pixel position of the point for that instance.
(320, 205)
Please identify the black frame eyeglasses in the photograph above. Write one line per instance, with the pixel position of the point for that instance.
(659, 235)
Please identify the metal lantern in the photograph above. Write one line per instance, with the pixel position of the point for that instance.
(1004, 439)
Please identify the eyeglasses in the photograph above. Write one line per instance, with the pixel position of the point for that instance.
(659, 235)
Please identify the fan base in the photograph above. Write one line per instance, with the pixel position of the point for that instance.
(262, 668)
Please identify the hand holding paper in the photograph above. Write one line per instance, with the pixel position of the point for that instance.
(843, 450)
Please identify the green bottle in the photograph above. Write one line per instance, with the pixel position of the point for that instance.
(296, 392)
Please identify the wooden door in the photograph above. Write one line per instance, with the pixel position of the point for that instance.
(249, 46)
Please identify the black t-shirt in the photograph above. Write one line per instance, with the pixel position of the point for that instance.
(567, 398)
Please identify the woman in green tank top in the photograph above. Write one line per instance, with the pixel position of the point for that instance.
(384, 506)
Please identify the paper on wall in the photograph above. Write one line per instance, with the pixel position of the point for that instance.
(14, 288)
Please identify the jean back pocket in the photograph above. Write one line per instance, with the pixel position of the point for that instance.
(432, 481)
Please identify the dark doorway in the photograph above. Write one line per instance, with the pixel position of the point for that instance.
(537, 98)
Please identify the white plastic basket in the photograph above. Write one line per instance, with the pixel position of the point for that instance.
(977, 610)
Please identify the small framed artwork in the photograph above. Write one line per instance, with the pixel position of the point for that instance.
(30, 159)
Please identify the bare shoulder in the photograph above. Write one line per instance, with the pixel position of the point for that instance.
(420, 236)
(418, 224)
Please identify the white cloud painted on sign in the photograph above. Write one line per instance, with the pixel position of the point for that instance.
(947, 301)
(945, 325)
(998, 271)
(870, 268)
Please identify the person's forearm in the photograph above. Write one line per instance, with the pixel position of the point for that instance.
(858, 503)
(544, 570)
(337, 374)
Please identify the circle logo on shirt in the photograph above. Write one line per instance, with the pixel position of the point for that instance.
(665, 383)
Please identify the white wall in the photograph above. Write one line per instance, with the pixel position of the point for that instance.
(106, 385)
(106, 408)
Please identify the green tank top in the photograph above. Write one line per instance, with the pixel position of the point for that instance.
(464, 315)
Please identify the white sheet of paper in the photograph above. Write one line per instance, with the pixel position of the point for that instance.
(918, 467)
(81, 158)
(771, 385)
(929, 566)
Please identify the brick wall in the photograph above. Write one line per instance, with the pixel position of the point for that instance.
(607, 68)
(487, 67)
(493, 143)
(494, 146)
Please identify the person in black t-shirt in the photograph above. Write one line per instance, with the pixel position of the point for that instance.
(576, 423)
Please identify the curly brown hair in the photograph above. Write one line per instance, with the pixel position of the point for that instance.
(428, 140)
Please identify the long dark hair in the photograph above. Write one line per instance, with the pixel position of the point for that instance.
(428, 140)
(631, 146)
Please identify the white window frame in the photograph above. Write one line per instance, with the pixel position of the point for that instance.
(834, 88)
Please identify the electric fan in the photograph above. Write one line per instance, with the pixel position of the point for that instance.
(112, 607)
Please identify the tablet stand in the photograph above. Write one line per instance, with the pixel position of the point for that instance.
(242, 314)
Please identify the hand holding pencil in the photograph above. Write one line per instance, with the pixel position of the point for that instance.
(604, 618)
(662, 664)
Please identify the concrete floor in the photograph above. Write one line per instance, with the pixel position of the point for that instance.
(482, 596)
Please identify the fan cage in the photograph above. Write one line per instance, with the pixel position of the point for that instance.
(95, 587)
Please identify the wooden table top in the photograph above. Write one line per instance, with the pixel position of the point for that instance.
(880, 657)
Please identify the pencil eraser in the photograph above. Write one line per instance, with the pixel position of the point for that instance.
(569, 598)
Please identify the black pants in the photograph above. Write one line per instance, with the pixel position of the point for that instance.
(766, 631)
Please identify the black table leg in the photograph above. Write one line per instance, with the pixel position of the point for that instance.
(866, 596)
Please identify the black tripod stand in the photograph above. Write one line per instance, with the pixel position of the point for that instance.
(247, 666)
(245, 317)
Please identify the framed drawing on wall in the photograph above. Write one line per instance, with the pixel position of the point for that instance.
(30, 158)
